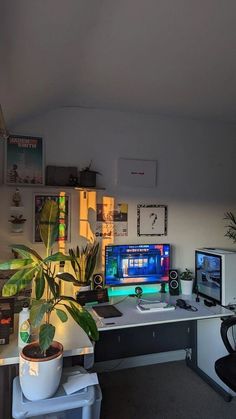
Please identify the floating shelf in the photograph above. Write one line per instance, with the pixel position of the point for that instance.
(77, 188)
(88, 188)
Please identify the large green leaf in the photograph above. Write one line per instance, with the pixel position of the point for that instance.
(38, 309)
(26, 252)
(39, 284)
(48, 224)
(67, 298)
(62, 315)
(56, 257)
(18, 282)
(65, 276)
(46, 335)
(84, 319)
(53, 286)
(91, 260)
(16, 264)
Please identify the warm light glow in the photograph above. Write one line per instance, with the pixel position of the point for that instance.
(108, 205)
(147, 289)
(87, 214)
(62, 223)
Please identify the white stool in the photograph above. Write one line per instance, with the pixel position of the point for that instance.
(84, 404)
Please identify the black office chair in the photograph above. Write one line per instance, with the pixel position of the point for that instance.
(225, 367)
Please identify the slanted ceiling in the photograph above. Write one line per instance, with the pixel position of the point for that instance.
(169, 57)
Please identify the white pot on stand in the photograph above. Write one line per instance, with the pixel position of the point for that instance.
(40, 377)
(186, 286)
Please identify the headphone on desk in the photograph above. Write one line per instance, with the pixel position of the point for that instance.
(138, 292)
(182, 304)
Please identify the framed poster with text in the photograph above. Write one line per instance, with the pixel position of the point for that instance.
(24, 162)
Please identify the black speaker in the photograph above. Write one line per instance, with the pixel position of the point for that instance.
(174, 285)
(98, 281)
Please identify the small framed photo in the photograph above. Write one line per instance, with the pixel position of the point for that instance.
(152, 220)
(24, 161)
(64, 215)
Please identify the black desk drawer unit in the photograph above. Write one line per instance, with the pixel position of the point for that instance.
(143, 340)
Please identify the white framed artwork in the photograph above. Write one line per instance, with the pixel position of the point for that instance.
(152, 220)
(137, 173)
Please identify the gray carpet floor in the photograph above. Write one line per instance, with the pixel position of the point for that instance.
(161, 391)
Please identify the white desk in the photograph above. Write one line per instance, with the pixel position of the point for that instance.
(133, 318)
(136, 333)
(73, 338)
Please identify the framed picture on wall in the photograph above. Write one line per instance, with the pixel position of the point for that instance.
(63, 219)
(152, 220)
(24, 162)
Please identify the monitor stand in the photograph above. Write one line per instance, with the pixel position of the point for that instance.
(163, 288)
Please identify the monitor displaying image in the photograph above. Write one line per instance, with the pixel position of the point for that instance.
(136, 264)
(208, 275)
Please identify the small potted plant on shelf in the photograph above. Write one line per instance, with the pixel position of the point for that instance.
(186, 281)
(88, 177)
(17, 222)
(45, 355)
(83, 261)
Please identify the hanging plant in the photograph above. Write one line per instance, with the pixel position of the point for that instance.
(17, 219)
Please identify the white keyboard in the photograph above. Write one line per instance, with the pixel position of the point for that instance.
(151, 307)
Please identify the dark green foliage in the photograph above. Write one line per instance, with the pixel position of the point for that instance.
(43, 273)
(231, 227)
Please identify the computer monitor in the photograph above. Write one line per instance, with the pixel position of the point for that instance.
(135, 264)
(215, 276)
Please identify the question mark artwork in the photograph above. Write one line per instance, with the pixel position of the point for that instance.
(153, 217)
(151, 220)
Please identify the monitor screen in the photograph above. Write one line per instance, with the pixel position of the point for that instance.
(137, 264)
(208, 275)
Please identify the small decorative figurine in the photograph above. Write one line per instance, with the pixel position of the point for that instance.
(16, 198)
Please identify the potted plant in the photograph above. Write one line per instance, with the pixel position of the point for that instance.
(88, 177)
(83, 261)
(186, 281)
(17, 222)
(231, 227)
(45, 355)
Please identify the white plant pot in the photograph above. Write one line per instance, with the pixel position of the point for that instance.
(186, 287)
(17, 227)
(40, 378)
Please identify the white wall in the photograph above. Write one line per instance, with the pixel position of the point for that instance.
(195, 177)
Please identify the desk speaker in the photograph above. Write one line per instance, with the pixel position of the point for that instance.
(174, 283)
(98, 282)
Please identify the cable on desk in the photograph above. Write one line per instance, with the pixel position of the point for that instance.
(120, 301)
